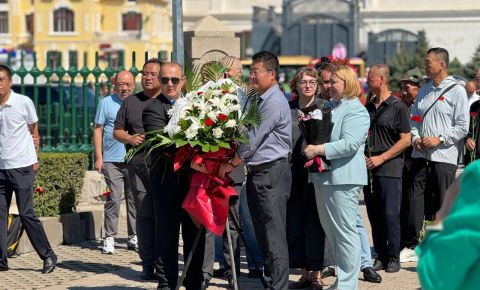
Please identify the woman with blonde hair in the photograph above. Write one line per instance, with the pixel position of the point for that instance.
(336, 191)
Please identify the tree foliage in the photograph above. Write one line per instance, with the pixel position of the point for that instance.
(473, 65)
(400, 63)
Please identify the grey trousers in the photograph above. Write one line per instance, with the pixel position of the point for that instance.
(268, 192)
(116, 177)
(145, 221)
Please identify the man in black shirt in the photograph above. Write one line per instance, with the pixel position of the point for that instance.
(128, 129)
(389, 136)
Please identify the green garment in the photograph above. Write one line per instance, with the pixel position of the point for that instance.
(450, 258)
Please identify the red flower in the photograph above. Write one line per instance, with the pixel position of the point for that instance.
(199, 93)
(224, 92)
(369, 132)
(107, 192)
(473, 114)
(209, 122)
(222, 117)
(441, 98)
(417, 119)
(39, 189)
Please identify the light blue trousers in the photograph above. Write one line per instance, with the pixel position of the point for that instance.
(338, 210)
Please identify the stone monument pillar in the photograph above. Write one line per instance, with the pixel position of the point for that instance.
(209, 39)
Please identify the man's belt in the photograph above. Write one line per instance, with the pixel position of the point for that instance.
(264, 166)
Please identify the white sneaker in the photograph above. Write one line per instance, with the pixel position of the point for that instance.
(132, 243)
(408, 255)
(108, 246)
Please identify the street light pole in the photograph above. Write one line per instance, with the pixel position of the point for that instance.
(177, 25)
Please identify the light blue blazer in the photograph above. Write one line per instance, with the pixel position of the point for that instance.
(346, 149)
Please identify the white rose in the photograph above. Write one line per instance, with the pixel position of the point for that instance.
(191, 132)
(317, 114)
(217, 132)
(230, 124)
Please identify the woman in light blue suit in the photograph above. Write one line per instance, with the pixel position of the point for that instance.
(336, 191)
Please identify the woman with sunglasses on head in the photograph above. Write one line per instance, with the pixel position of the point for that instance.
(305, 234)
(336, 191)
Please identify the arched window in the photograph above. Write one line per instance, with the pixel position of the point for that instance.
(63, 20)
(132, 21)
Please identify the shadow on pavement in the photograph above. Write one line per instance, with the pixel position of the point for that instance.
(100, 268)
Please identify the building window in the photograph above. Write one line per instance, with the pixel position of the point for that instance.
(4, 22)
(3, 1)
(29, 24)
(73, 58)
(54, 58)
(132, 21)
(63, 20)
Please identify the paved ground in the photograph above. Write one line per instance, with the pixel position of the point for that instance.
(82, 266)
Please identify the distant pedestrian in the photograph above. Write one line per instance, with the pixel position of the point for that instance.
(109, 160)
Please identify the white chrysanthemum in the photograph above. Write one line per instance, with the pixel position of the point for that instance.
(231, 124)
(213, 115)
(191, 132)
(216, 92)
(217, 132)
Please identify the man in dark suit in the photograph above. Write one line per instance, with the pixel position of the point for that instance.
(168, 190)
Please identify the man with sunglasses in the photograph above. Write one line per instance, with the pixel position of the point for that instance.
(168, 189)
(128, 129)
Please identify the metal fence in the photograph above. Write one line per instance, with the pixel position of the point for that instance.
(66, 102)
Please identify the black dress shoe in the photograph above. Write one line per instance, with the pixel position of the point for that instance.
(3, 268)
(378, 265)
(253, 274)
(49, 264)
(327, 272)
(393, 266)
(300, 284)
(371, 276)
(219, 273)
(149, 276)
(229, 275)
(205, 284)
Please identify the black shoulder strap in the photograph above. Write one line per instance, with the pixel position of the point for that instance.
(433, 104)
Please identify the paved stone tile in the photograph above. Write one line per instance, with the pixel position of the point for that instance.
(82, 266)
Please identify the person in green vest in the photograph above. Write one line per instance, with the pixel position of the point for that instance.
(449, 256)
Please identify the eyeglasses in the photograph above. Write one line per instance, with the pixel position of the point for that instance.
(256, 73)
(165, 81)
(303, 83)
(146, 74)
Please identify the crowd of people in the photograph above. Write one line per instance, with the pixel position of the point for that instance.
(402, 152)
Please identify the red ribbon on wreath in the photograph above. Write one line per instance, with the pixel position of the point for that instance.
(208, 199)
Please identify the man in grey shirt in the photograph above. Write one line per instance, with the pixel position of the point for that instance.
(439, 120)
(266, 157)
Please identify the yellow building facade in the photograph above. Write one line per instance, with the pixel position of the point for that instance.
(66, 32)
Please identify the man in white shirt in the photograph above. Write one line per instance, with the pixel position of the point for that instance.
(439, 120)
(471, 93)
(18, 164)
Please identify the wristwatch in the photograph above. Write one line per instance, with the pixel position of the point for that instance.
(442, 140)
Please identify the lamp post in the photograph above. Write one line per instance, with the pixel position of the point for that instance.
(178, 48)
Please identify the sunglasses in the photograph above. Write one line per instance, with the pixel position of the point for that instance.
(165, 81)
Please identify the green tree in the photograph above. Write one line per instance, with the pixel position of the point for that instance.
(473, 65)
(400, 63)
(455, 67)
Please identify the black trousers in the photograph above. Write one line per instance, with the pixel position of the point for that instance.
(383, 209)
(267, 193)
(209, 255)
(305, 235)
(430, 181)
(168, 191)
(405, 204)
(145, 221)
(21, 181)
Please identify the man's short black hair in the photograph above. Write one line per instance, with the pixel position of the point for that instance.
(7, 70)
(269, 59)
(441, 52)
(153, 60)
